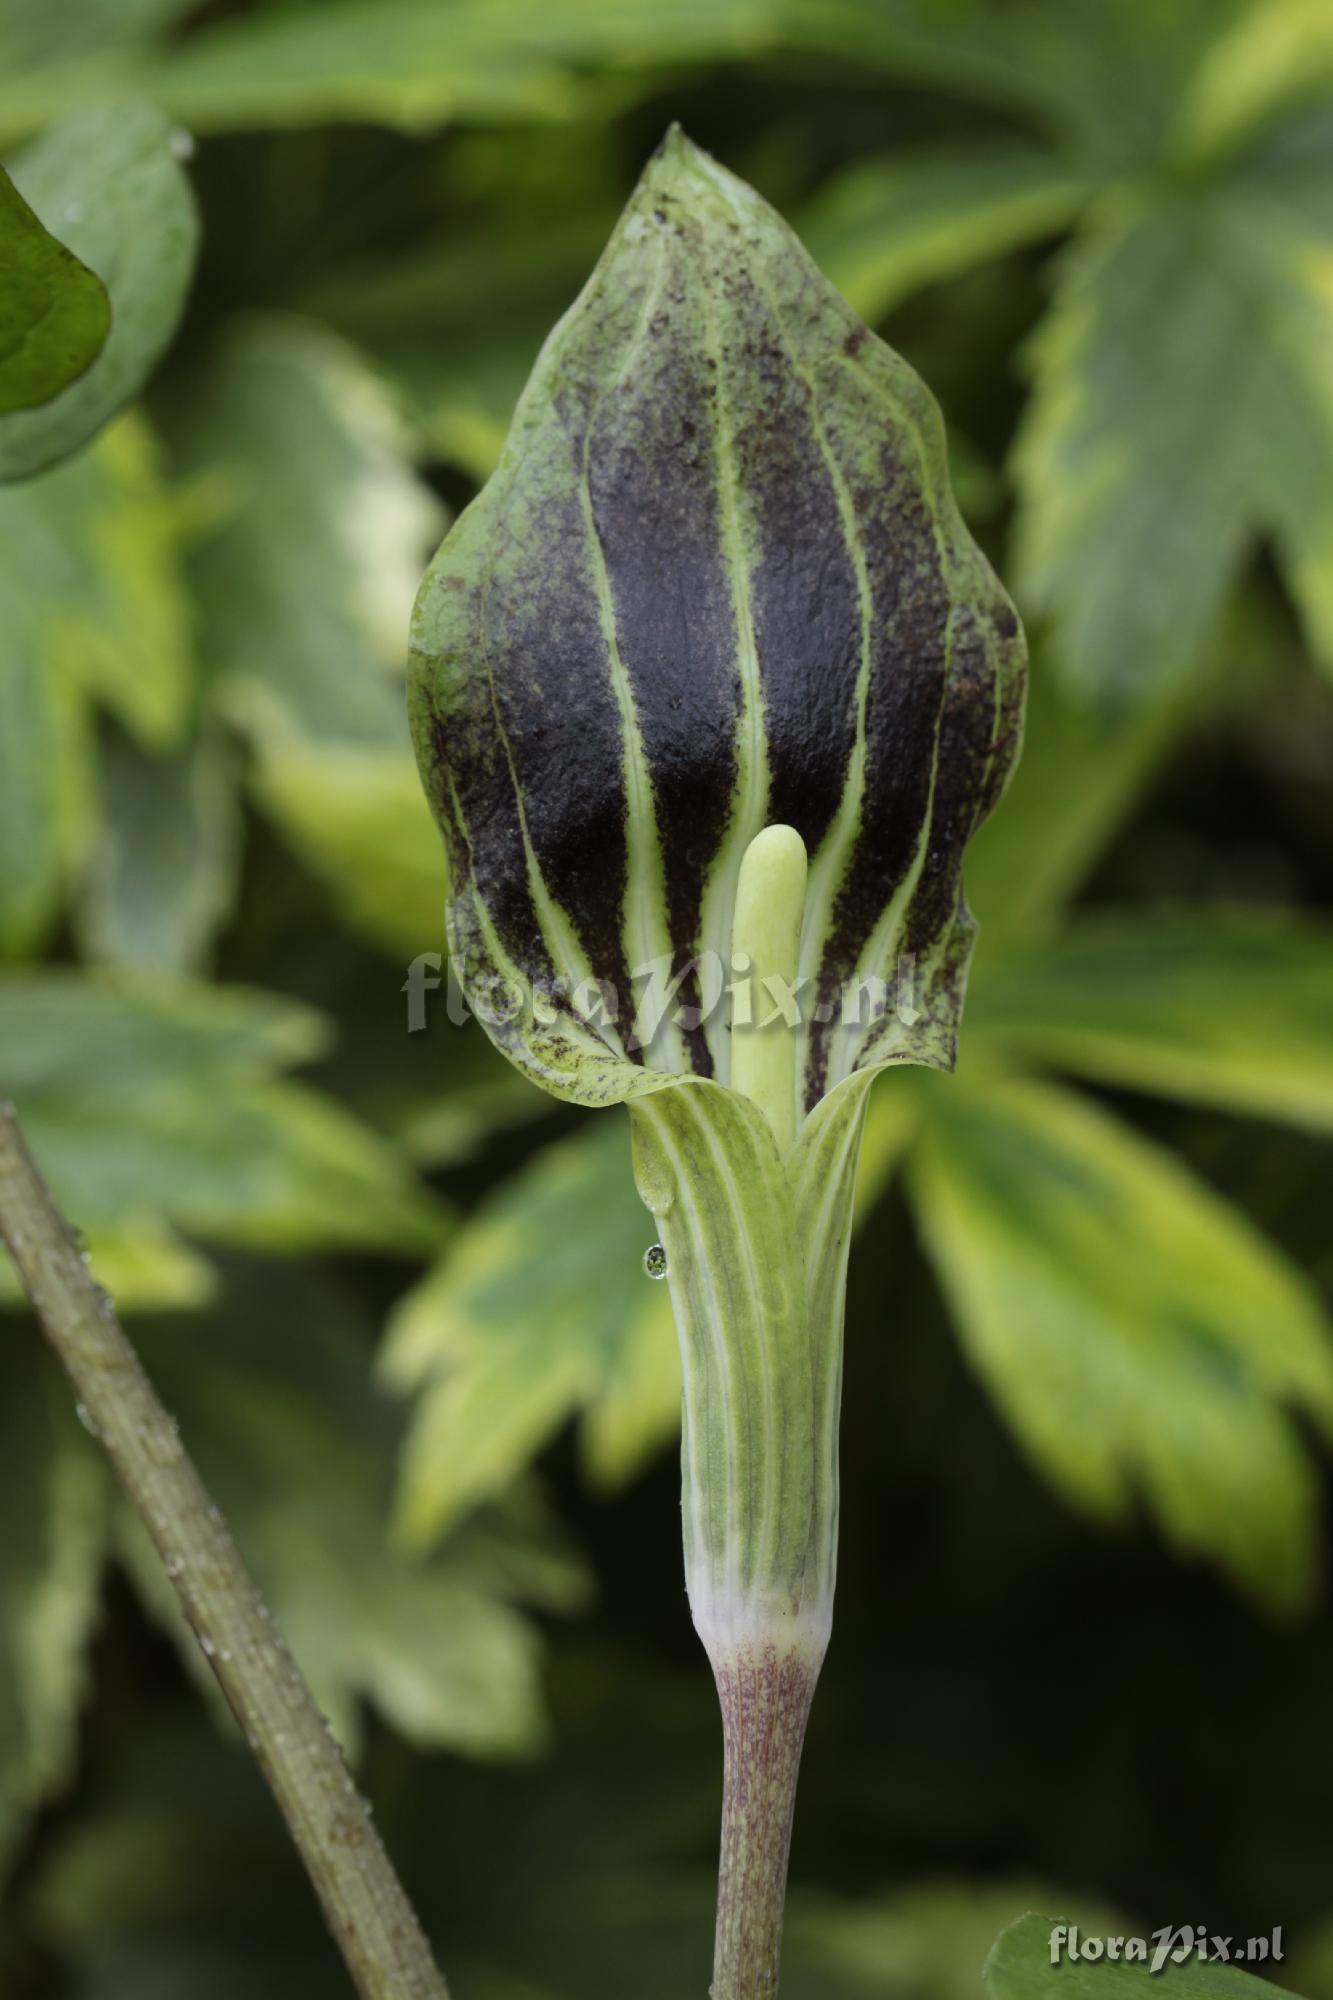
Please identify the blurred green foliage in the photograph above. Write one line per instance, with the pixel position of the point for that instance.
(377, 1293)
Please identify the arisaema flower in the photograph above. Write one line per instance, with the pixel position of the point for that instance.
(710, 688)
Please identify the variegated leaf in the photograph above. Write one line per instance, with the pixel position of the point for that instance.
(717, 582)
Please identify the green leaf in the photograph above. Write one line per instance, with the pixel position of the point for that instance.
(54, 311)
(897, 221)
(717, 581)
(413, 64)
(1136, 1332)
(1180, 409)
(458, 325)
(142, 1262)
(1079, 774)
(305, 587)
(922, 1942)
(1233, 1008)
(39, 42)
(434, 1083)
(109, 183)
(92, 608)
(151, 1106)
(891, 1120)
(273, 1395)
(1020, 1968)
(540, 1310)
(303, 594)
(354, 816)
(1104, 79)
(1274, 54)
(53, 1506)
(162, 874)
(157, 1888)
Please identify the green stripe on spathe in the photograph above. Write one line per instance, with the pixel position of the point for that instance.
(717, 580)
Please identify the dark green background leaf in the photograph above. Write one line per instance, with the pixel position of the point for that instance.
(53, 1503)
(54, 312)
(109, 183)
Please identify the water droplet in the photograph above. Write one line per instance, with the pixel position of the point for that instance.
(181, 145)
(207, 1647)
(85, 1417)
(655, 1261)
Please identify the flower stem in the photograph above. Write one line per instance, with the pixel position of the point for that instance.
(364, 1904)
(765, 1696)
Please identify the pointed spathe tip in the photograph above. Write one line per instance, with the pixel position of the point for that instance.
(674, 143)
(681, 169)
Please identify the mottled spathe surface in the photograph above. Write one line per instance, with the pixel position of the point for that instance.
(717, 580)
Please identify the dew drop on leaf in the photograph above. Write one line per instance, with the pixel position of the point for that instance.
(655, 1261)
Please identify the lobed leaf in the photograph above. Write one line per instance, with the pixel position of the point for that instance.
(1134, 1330)
(900, 220)
(1233, 1008)
(109, 182)
(150, 1108)
(540, 1311)
(1139, 498)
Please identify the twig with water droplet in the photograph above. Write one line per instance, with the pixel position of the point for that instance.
(372, 1921)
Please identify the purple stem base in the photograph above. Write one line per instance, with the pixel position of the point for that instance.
(765, 1695)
